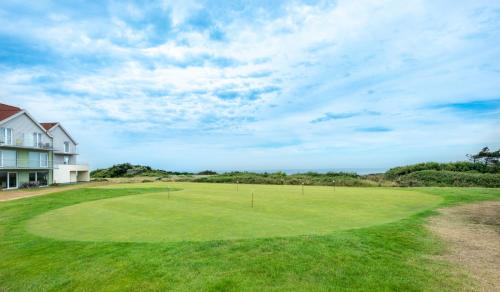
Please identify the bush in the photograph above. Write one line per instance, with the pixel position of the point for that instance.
(129, 170)
(278, 178)
(207, 172)
(434, 178)
(29, 185)
(461, 166)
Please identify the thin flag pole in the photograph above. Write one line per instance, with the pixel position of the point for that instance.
(252, 199)
(302, 188)
(168, 190)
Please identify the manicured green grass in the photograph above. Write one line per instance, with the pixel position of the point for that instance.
(201, 212)
(391, 256)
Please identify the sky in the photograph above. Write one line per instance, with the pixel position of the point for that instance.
(258, 85)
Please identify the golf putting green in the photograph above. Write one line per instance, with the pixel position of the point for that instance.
(202, 212)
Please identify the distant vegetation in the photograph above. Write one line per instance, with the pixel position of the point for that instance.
(278, 178)
(129, 170)
(483, 170)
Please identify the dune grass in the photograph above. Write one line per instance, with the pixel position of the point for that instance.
(396, 255)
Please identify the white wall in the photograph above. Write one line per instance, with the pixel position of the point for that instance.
(59, 138)
(64, 174)
(22, 126)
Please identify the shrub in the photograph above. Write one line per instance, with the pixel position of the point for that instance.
(28, 185)
(461, 166)
(278, 178)
(431, 178)
(207, 172)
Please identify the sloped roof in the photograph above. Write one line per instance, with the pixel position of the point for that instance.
(7, 111)
(51, 126)
(48, 126)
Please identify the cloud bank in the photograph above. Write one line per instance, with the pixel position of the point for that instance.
(256, 84)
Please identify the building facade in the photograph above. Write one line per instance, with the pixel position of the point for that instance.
(36, 154)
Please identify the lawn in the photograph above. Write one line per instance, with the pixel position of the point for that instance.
(208, 237)
(203, 212)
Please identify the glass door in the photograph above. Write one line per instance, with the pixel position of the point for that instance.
(3, 179)
(12, 180)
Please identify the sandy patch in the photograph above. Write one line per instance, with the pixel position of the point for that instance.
(473, 234)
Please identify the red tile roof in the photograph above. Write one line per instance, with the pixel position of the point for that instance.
(8, 111)
(48, 126)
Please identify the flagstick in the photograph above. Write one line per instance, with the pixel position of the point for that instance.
(252, 199)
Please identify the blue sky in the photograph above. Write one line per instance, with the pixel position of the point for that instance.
(192, 85)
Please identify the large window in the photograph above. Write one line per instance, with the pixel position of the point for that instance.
(44, 160)
(6, 136)
(12, 180)
(3, 179)
(8, 180)
(38, 159)
(66, 147)
(37, 139)
(32, 177)
(8, 158)
(34, 159)
(42, 177)
(39, 177)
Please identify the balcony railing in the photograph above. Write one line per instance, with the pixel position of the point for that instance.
(20, 143)
(25, 164)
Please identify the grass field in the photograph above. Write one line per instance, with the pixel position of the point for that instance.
(201, 212)
(208, 237)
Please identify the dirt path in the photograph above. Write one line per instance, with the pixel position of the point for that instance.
(19, 194)
(473, 234)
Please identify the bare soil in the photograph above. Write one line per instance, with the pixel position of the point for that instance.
(473, 236)
(10, 195)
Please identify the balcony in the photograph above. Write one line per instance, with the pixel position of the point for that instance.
(24, 144)
(25, 164)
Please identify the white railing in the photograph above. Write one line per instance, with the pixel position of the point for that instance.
(24, 164)
(23, 143)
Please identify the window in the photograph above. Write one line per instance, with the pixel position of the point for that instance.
(39, 177)
(8, 180)
(34, 159)
(12, 180)
(8, 158)
(3, 179)
(42, 177)
(66, 159)
(37, 140)
(44, 160)
(6, 136)
(66, 147)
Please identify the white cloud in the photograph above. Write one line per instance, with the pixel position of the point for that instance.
(390, 57)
